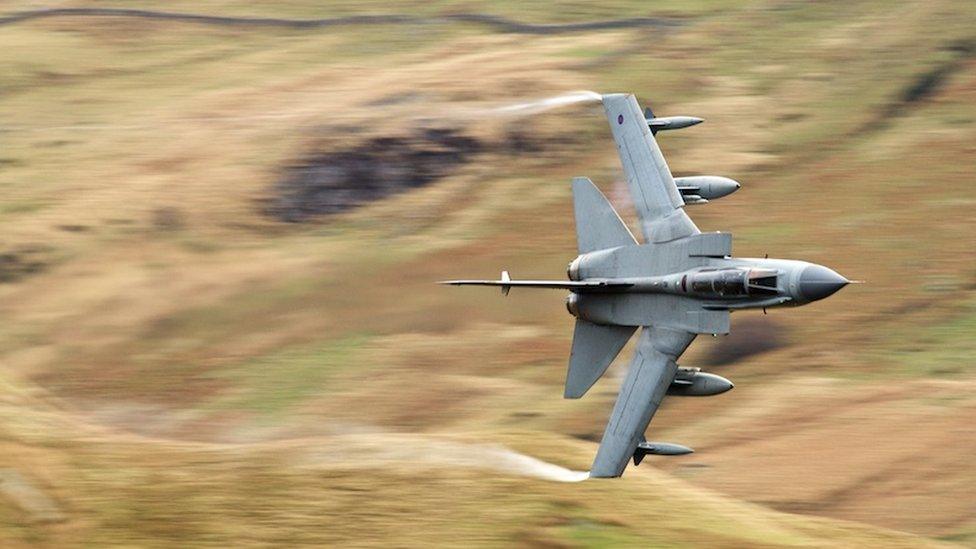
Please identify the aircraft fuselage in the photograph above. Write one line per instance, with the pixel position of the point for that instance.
(712, 285)
(742, 283)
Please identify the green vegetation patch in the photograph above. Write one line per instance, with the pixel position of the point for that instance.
(935, 349)
(584, 532)
(272, 383)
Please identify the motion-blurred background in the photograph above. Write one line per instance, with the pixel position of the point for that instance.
(219, 237)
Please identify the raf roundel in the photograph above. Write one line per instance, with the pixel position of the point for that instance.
(620, 119)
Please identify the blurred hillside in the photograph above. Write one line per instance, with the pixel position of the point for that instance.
(219, 236)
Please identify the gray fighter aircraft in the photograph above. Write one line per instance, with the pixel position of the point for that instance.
(679, 283)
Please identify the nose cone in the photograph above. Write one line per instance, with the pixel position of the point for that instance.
(818, 282)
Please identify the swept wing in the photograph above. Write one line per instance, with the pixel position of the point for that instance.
(656, 198)
(651, 372)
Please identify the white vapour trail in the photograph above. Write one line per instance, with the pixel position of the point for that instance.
(509, 461)
(523, 108)
(384, 449)
(548, 103)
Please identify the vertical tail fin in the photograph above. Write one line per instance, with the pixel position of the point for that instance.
(598, 226)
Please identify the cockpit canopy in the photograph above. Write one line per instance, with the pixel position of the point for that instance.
(731, 282)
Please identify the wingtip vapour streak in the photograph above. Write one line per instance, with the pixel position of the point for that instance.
(419, 452)
(548, 103)
(522, 108)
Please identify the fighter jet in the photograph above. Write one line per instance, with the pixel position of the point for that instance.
(675, 285)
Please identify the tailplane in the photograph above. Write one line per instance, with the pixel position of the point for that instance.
(594, 348)
(598, 226)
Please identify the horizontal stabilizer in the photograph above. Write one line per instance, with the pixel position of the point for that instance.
(598, 226)
(594, 348)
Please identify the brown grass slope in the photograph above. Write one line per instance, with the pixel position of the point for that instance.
(180, 367)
